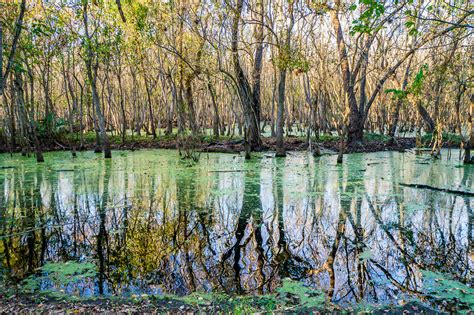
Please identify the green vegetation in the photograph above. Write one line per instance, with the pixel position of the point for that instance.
(449, 139)
(291, 296)
(127, 216)
(318, 156)
(190, 68)
(59, 276)
(441, 288)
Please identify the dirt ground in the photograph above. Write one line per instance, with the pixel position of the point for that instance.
(236, 146)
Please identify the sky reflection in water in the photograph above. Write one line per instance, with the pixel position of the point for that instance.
(152, 223)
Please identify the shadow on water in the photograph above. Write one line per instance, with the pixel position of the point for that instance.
(150, 223)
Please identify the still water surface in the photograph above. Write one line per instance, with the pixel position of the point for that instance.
(152, 223)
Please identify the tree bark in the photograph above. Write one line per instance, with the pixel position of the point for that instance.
(468, 159)
(258, 60)
(243, 87)
(356, 123)
(280, 114)
(286, 51)
(399, 103)
(216, 119)
(25, 117)
(430, 125)
(16, 37)
(150, 106)
(92, 77)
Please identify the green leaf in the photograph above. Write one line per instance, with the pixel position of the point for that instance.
(308, 297)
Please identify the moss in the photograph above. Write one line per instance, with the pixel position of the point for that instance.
(450, 139)
(89, 138)
(368, 137)
(376, 137)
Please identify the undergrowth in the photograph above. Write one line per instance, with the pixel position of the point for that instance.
(62, 282)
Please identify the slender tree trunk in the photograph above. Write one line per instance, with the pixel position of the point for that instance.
(216, 119)
(16, 38)
(284, 54)
(470, 143)
(92, 76)
(122, 104)
(355, 124)
(280, 114)
(174, 104)
(430, 124)
(27, 121)
(258, 60)
(399, 103)
(150, 107)
(102, 235)
(11, 119)
(72, 110)
(188, 94)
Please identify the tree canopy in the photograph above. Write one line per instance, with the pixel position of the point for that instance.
(255, 67)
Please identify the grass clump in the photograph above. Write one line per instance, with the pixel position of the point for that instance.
(440, 288)
(376, 137)
(451, 139)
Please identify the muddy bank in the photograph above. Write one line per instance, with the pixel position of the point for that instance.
(25, 304)
(235, 146)
(37, 304)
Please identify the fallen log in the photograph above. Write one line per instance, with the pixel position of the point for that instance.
(226, 171)
(445, 190)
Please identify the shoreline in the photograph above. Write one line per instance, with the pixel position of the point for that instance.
(328, 145)
(237, 146)
(194, 304)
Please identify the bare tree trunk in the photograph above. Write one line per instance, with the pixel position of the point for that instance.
(92, 76)
(399, 103)
(243, 86)
(16, 37)
(280, 114)
(356, 124)
(284, 52)
(188, 94)
(430, 124)
(216, 119)
(257, 66)
(174, 100)
(150, 107)
(470, 143)
(11, 119)
(27, 120)
(122, 105)
(72, 110)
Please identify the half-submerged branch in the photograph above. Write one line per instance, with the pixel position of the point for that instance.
(445, 190)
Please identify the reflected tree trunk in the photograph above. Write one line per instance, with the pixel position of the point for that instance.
(101, 208)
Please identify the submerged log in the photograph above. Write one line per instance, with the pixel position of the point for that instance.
(445, 190)
(226, 171)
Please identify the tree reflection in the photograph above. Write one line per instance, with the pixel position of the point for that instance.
(235, 226)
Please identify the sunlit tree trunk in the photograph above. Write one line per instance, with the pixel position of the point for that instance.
(16, 37)
(216, 118)
(470, 143)
(243, 86)
(399, 103)
(284, 57)
(92, 66)
(355, 124)
(258, 60)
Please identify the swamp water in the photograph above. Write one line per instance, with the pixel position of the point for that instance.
(146, 222)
